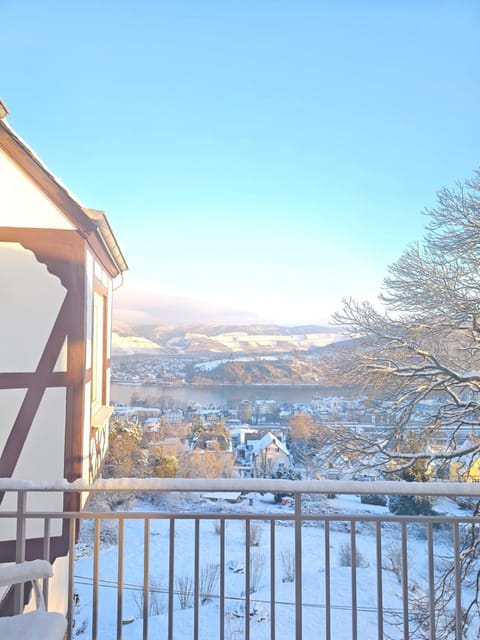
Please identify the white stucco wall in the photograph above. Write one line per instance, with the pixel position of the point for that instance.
(42, 457)
(31, 298)
(10, 403)
(23, 204)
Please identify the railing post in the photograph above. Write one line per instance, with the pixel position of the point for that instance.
(121, 549)
(196, 580)
(171, 579)
(298, 566)
(405, 590)
(431, 582)
(458, 582)
(20, 548)
(378, 542)
(146, 576)
(222, 578)
(248, 567)
(272, 579)
(46, 555)
(353, 551)
(328, 610)
(71, 576)
(96, 564)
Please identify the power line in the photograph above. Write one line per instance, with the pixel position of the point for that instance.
(112, 584)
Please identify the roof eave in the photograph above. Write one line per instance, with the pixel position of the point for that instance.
(86, 220)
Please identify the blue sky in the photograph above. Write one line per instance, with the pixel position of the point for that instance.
(258, 160)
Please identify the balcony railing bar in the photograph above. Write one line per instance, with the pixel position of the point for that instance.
(96, 550)
(171, 577)
(222, 578)
(20, 546)
(196, 582)
(146, 575)
(273, 555)
(71, 577)
(458, 578)
(431, 581)
(378, 550)
(298, 566)
(121, 547)
(328, 604)
(46, 554)
(248, 568)
(353, 547)
(406, 630)
(127, 515)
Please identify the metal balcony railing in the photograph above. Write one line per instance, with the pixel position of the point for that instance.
(174, 566)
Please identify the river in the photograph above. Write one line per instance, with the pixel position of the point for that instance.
(219, 395)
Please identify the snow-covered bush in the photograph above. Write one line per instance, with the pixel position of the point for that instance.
(288, 565)
(156, 604)
(392, 561)
(217, 526)
(410, 505)
(345, 558)
(109, 532)
(184, 586)
(256, 532)
(257, 562)
(375, 499)
(208, 581)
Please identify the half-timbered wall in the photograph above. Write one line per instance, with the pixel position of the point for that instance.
(41, 329)
(31, 301)
(56, 270)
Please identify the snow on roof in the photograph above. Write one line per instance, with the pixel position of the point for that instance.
(263, 443)
(93, 217)
(228, 496)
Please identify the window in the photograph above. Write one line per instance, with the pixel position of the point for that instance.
(98, 352)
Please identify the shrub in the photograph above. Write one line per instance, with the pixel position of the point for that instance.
(410, 505)
(256, 532)
(375, 499)
(217, 526)
(184, 585)
(208, 581)
(155, 599)
(109, 532)
(345, 557)
(257, 562)
(392, 561)
(288, 564)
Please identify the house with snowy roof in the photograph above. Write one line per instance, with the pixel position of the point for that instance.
(266, 454)
(59, 266)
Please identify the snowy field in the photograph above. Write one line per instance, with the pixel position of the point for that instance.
(313, 571)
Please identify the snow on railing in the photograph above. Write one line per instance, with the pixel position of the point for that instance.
(346, 487)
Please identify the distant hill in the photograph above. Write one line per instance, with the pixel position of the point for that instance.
(283, 370)
(220, 339)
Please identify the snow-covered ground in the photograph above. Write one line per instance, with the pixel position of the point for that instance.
(313, 571)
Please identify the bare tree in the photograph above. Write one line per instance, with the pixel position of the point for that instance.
(306, 438)
(418, 356)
